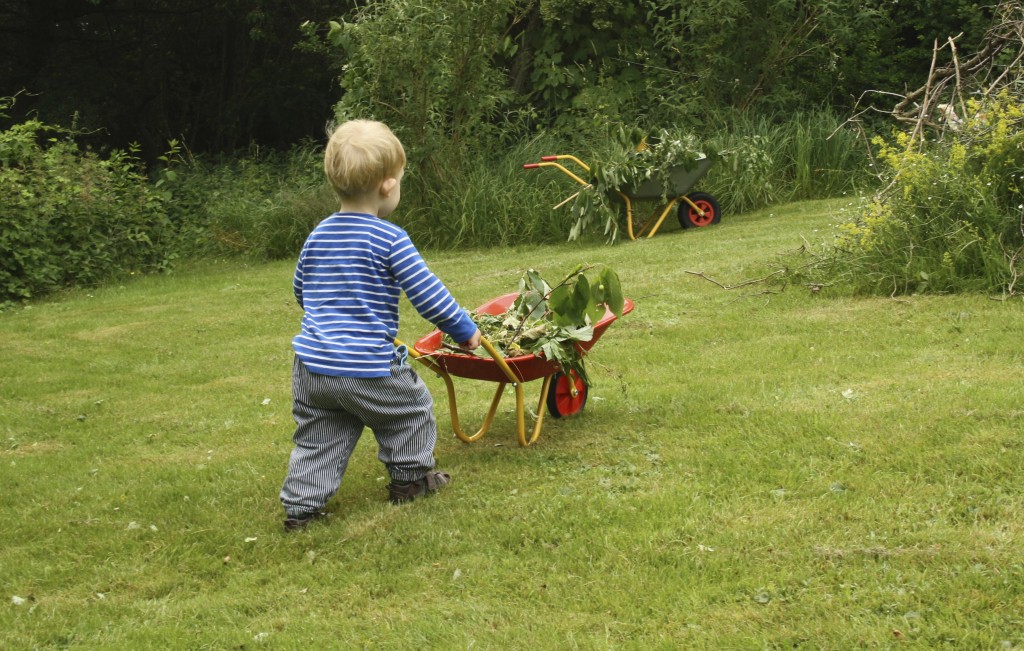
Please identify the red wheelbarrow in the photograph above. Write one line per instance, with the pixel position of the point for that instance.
(563, 395)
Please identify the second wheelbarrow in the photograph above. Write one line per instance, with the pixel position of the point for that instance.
(695, 209)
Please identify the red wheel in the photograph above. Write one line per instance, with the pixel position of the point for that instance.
(690, 218)
(561, 401)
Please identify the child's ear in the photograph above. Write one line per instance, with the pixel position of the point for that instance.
(387, 186)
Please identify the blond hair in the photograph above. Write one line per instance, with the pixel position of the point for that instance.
(360, 154)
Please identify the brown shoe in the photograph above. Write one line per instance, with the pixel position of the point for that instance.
(428, 484)
(301, 522)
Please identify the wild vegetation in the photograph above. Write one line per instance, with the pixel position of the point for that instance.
(950, 213)
(478, 89)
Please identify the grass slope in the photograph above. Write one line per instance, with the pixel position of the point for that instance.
(752, 471)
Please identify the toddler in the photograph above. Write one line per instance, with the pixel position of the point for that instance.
(347, 372)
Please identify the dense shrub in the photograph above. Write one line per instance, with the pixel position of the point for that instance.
(69, 217)
(951, 217)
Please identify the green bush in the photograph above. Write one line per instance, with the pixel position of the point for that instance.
(71, 218)
(779, 158)
(951, 218)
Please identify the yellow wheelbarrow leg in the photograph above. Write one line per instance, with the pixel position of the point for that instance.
(453, 408)
(629, 214)
(664, 213)
(521, 416)
(520, 407)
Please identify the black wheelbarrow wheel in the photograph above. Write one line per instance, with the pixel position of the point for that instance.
(561, 401)
(690, 218)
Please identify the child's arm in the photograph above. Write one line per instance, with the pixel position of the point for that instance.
(297, 279)
(429, 296)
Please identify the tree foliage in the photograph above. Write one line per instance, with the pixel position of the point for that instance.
(221, 74)
(449, 69)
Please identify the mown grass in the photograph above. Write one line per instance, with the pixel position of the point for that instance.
(753, 470)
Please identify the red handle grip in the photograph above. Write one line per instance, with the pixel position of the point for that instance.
(549, 158)
(530, 166)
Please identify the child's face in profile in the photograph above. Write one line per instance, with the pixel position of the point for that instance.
(392, 194)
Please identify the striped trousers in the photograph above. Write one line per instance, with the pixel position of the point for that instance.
(330, 414)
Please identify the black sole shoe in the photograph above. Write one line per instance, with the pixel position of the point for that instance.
(429, 484)
(301, 522)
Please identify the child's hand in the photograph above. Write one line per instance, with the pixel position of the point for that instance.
(472, 343)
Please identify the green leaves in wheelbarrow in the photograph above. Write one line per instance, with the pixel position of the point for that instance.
(577, 301)
(609, 291)
(533, 293)
(551, 322)
(574, 304)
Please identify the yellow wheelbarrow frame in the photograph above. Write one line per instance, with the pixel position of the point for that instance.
(654, 222)
(453, 407)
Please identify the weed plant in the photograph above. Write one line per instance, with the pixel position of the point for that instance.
(753, 470)
(951, 217)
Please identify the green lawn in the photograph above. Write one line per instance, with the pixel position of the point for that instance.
(753, 470)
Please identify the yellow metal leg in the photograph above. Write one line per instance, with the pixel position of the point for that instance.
(453, 408)
(664, 214)
(629, 215)
(520, 417)
(453, 411)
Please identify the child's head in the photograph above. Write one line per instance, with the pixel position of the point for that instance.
(360, 155)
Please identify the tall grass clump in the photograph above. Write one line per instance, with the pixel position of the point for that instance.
(951, 218)
(773, 159)
(259, 205)
(493, 201)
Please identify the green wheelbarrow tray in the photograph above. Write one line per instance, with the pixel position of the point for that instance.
(681, 179)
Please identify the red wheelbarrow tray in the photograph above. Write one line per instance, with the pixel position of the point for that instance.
(524, 367)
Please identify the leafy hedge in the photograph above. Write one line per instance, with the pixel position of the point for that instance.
(70, 217)
(951, 217)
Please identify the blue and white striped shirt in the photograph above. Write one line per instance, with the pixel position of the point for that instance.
(351, 272)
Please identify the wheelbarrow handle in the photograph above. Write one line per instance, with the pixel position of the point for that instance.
(550, 161)
(487, 345)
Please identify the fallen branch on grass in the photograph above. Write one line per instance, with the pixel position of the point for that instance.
(701, 274)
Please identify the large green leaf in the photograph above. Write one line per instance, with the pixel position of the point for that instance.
(609, 291)
(552, 322)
